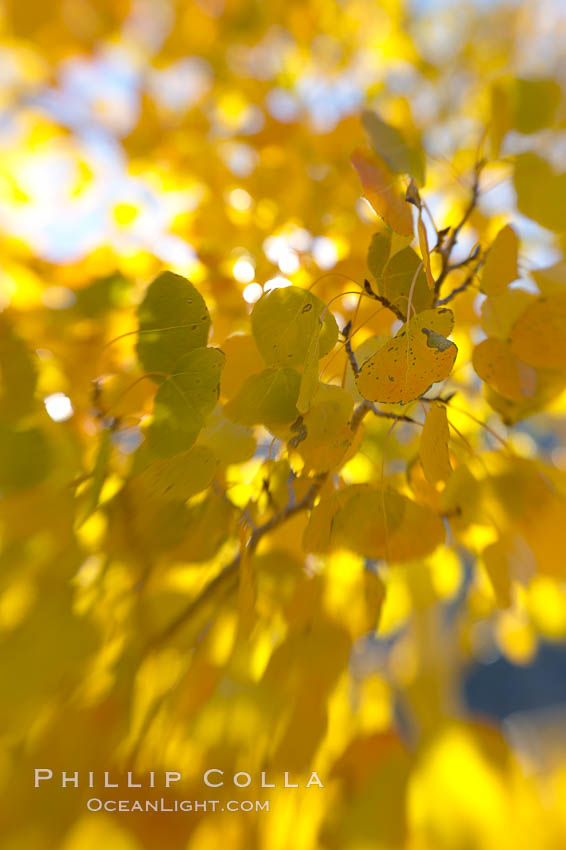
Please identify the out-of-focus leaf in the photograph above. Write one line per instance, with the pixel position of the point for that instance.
(380, 187)
(284, 322)
(496, 364)
(389, 143)
(229, 442)
(384, 524)
(541, 193)
(500, 267)
(433, 448)
(18, 374)
(181, 476)
(536, 102)
(173, 320)
(25, 457)
(328, 432)
(103, 294)
(538, 336)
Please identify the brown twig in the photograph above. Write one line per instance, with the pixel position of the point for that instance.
(446, 247)
(385, 301)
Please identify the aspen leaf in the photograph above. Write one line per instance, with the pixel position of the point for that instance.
(328, 432)
(309, 378)
(497, 558)
(551, 280)
(25, 457)
(18, 373)
(406, 366)
(433, 450)
(541, 192)
(228, 441)
(242, 360)
(173, 320)
(538, 337)
(269, 398)
(500, 312)
(284, 322)
(389, 143)
(496, 364)
(184, 399)
(501, 117)
(425, 253)
(181, 476)
(379, 186)
(536, 102)
(378, 254)
(384, 524)
(405, 273)
(500, 267)
(99, 473)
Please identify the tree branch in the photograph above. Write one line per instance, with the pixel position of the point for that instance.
(227, 579)
(447, 246)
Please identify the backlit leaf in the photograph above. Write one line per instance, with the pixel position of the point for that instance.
(284, 322)
(500, 267)
(173, 320)
(433, 448)
(389, 143)
(405, 274)
(384, 524)
(496, 364)
(269, 398)
(380, 187)
(406, 366)
(538, 337)
(536, 102)
(184, 399)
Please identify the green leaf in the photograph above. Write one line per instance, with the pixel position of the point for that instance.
(18, 374)
(389, 143)
(99, 473)
(284, 323)
(536, 102)
(401, 271)
(173, 320)
(103, 294)
(269, 398)
(25, 457)
(378, 254)
(309, 378)
(183, 401)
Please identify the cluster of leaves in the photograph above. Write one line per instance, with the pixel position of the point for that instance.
(266, 523)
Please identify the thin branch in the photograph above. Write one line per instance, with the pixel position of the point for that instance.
(227, 579)
(463, 286)
(349, 350)
(385, 301)
(447, 246)
(366, 406)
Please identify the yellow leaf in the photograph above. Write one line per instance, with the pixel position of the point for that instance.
(406, 366)
(538, 336)
(433, 450)
(379, 186)
(500, 267)
(496, 364)
(385, 524)
(284, 322)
